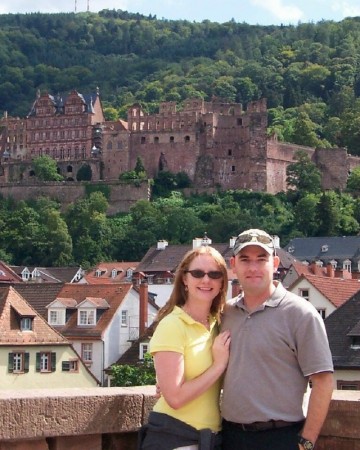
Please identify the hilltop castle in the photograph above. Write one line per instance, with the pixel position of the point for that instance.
(217, 144)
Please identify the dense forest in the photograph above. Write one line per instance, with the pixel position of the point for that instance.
(308, 73)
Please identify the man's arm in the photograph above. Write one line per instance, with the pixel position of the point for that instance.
(319, 401)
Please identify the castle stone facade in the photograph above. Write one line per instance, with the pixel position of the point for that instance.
(217, 144)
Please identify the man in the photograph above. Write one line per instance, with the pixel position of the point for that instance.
(278, 344)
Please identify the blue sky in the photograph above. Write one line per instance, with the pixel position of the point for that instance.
(262, 12)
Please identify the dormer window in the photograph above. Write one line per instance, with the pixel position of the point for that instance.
(324, 248)
(114, 273)
(291, 249)
(333, 262)
(86, 317)
(56, 317)
(26, 323)
(98, 273)
(347, 265)
(25, 274)
(143, 349)
(355, 342)
(129, 273)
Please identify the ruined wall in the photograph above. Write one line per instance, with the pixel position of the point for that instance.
(122, 196)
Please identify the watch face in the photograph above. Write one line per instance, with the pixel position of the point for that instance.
(308, 445)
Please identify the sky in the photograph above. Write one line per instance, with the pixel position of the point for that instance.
(261, 12)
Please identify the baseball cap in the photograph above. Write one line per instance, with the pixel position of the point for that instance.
(254, 237)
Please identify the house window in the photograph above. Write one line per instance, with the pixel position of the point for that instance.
(322, 312)
(45, 362)
(304, 293)
(86, 317)
(18, 362)
(143, 349)
(114, 273)
(129, 273)
(87, 352)
(348, 385)
(124, 318)
(26, 324)
(355, 342)
(347, 265)
(70, 366)
(25, 274)
(150, 279)
(56, 317)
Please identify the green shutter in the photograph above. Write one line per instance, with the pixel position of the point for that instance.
(11, 363)
(26, 362)
(65, 366)
(53, 362)
(37, 362)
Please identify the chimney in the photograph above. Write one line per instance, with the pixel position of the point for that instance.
(143, 313)
(330, 271)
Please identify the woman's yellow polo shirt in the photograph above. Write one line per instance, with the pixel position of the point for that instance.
(178, 332)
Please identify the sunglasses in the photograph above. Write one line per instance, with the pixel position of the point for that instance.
(245, 238)
(213, 274)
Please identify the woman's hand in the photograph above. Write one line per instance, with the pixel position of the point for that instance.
(221, 349)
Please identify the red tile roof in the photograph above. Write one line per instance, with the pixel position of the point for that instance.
(336, 290)
(106, 269)
(12, 308)
(114, 294)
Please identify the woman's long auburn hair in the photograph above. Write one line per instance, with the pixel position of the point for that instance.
(179, 295)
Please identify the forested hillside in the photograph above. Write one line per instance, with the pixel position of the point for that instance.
(308, 73)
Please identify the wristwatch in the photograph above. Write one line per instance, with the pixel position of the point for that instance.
(308, 445)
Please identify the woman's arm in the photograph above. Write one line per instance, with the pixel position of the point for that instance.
(170, 373)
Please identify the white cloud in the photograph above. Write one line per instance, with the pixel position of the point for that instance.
(346, 8)
(285, 13)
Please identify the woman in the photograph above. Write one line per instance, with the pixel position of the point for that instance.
(189, 357)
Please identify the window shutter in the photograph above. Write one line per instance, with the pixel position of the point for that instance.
(65, 366)
(26, 362)
(53, 362)
(37, 362)
(11, 362)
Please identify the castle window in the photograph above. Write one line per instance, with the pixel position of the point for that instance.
(229, 152)
(156, 140)
(172, 139)
(109, 145)
(239, 121)
(187, 138)
(143, 139)
(233, 169)
(69, 168)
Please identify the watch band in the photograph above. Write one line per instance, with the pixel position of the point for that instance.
(308, 445)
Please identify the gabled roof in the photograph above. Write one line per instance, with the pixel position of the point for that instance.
(12, 308)
(339, 326)
(336, 290)
(168, 259)
(325, 248)
(49, 274)
(112, 293)
(106, 269)
(39, 295)
(131, 356)
(8, 275)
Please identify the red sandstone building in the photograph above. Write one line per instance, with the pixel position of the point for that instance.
(217, 144)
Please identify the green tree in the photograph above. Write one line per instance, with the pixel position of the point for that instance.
(142, 374)
(303, 175)
(45, 169)
(84, 173)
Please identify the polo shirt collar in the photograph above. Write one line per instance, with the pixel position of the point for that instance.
(272, 302)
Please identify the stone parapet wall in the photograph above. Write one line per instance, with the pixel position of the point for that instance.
(109, 418)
